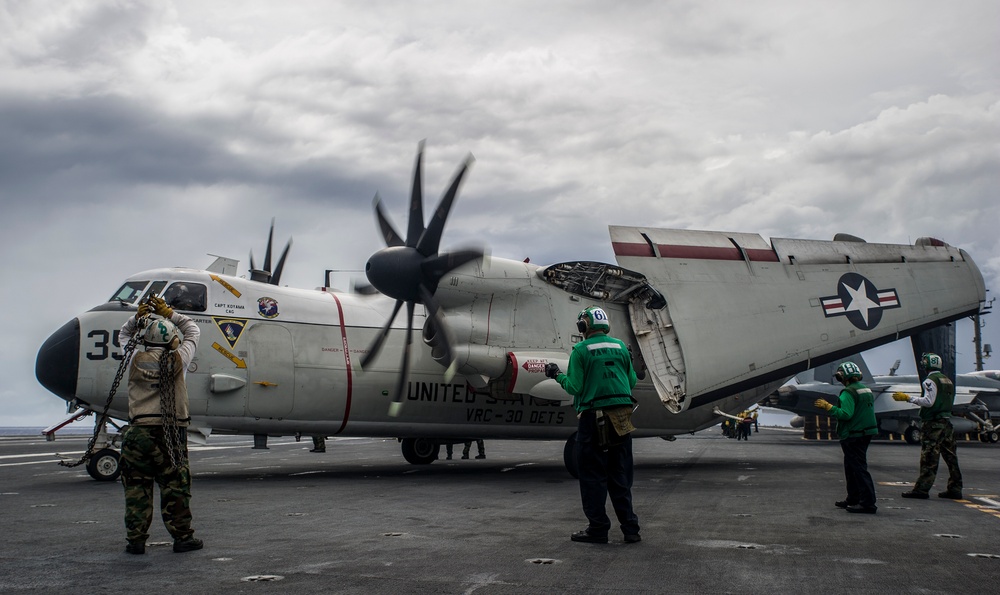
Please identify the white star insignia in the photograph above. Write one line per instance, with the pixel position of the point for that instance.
(860, 302)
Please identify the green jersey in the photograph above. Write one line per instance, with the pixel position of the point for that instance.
(599, 374)
(940, 390)
(856, 413)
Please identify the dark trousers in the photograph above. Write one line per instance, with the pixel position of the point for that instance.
(603, 473)
(860, 488)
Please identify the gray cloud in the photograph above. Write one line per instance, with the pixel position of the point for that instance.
(782, 118)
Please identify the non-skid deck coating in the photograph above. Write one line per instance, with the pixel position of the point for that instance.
(717, 515)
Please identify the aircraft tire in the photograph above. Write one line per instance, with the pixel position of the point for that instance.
(912, 435)
(104, 465)
(420, 451)
(569, 457)
(994, 436)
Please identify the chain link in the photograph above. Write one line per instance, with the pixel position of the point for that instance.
(126, 356)
(168, 409)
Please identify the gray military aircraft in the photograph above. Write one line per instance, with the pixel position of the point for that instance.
(714, 320)
(976, 409)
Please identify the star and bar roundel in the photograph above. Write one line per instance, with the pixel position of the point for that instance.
(860, 301)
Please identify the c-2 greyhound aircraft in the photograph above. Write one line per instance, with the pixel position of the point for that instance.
(713, 320)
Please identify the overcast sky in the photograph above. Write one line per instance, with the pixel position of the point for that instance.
(135, 135)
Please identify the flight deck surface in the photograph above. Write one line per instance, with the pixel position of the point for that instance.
(717, 516)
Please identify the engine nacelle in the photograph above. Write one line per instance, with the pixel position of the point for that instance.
(528, 377)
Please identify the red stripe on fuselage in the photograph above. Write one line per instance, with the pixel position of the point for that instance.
(694, 252)
(347, 363)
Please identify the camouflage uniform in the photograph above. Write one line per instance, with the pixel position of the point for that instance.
(145, 456)
(937, 435)
(938, 442)
(144, 459)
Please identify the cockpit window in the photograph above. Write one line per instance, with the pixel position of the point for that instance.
(187, 296)
(156, 287)
(129, 292)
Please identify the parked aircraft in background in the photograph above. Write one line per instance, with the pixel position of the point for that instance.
(713, 319)
(976, 410)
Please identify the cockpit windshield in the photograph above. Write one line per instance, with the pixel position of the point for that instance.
(129, 292)
(187, 296)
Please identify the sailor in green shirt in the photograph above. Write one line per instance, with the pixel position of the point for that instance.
(600, 377)
(855, 425)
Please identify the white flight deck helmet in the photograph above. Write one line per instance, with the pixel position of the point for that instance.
(160, 332)
(593, 319)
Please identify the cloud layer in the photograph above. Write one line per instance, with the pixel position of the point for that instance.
(135, 135)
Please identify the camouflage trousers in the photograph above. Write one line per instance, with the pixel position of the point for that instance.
(145, 459)
(937, 442)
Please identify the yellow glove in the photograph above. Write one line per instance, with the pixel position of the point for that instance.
(143, 311)
(160, 307)
(900, 397)
(822, 404)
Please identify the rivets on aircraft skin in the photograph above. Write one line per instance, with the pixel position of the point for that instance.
(948, 535)
(262, 578)
(542, 561)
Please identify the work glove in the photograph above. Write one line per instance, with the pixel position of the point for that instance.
(160, 307)
(822, 404)
(143, 311)
(551, 370)
(900, 397)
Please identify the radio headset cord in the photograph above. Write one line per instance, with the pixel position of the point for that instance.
(126, 358)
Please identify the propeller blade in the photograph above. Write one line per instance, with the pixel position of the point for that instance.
(276, 275)
(397, 396)
(430, 241)
(389, 234)
(415, 225)
(267, 254)
(376, 345)
(436, 267)
(252, 266)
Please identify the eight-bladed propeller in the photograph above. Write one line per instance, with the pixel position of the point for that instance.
(409, 270)
(266, 275)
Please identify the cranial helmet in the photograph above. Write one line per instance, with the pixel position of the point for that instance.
(161, 333)
(593, 319)
(848, 372)
(931, 361)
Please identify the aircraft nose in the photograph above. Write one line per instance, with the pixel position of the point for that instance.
(58, 363)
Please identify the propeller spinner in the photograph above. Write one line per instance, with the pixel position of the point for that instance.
(409, 270)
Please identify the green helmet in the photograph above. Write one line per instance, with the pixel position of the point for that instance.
(593, 319)
(848, 372)
(931, 361)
